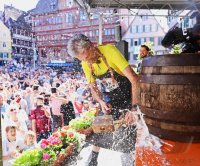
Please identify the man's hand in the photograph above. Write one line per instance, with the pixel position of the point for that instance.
(106, 108)
(131, 117)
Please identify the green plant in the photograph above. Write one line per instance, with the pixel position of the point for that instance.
(48, 157)
(29, 158)
(83, 122)
(176, 49)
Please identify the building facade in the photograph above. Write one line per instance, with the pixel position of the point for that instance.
(5, 44)
(181, 19)
(143, 28)
(55, 21)
(21, 33)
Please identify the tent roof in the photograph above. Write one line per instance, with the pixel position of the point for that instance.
(147, 4)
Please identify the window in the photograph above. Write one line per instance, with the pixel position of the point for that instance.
(113, 31)
(140, 29)
(142, 40)
(137, 29)
(144, 28)
(109, 32)
(105, 32)
(147, 28)
(54, 20)
(82, 15)
(131, 42)
(150, 28)
(58, 20)
(130, 29)
(53, 5)
(5, 55)
(4, 44)
(144, 18)
(69, 3)
(134, 29)
(1, 55)
(69, 17)
(97, 32)
(22, 33)
(139, 41)
(152, 39)
(136, 42)
(159, 40)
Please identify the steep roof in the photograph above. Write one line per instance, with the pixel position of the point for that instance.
(45, 6)
(20, 23)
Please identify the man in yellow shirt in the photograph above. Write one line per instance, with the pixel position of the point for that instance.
(107, 66)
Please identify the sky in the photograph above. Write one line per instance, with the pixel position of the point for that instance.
(24, 5)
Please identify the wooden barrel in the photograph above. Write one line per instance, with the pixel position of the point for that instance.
(170, 96)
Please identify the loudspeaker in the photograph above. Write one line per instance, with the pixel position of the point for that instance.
(123, 48)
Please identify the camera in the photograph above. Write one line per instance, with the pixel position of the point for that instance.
(189, 38)
(35, 87)
(53, 90)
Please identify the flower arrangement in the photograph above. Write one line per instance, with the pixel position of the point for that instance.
(48, 158)
(176, 49)
(59, 145)
(29, 158)
(52, 150)
(83, 122)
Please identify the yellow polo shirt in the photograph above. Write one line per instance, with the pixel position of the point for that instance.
(114, 59)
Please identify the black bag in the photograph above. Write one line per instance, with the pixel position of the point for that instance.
(56, 121)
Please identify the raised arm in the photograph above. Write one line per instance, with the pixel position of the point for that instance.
(96, 94)
(134, 79)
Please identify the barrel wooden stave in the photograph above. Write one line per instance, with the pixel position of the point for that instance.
(170, 96)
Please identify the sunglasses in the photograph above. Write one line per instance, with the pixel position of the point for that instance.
(11, 110)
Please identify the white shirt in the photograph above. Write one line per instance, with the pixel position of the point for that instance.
(9, 147)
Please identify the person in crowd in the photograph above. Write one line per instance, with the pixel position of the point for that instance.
(86, 106)
(3, 109)
(108, 65)
(3, 104)
(40, 120)
(19, 121)
(29, 99)
(87, 93)
(78, 105)
(11, 145)
(67, 109)
(144, 52)
(29, 140)
(21, 102)
(55, 106)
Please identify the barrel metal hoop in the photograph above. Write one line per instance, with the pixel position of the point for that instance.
(171, 126)
(189, 118)
(189, 79)
(172, 60)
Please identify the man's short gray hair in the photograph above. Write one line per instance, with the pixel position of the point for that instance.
(77, 44)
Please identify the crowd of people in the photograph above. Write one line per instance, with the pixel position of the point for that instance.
(35, 103)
